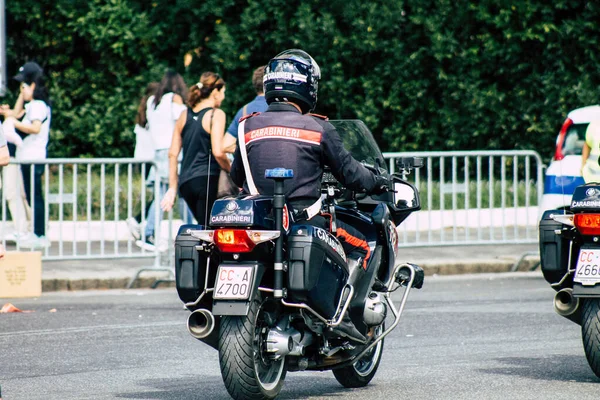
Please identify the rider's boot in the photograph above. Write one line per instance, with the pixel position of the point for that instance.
(347, 329)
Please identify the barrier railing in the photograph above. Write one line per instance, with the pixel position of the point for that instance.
(468, 198)
(474, 197)
(86, 205)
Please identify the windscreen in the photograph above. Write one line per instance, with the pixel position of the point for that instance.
(359, 141)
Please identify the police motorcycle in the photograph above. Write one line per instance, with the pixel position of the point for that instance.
(570, 262)
(268, 293)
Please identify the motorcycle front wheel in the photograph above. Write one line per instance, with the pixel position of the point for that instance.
(362, 371)
(247, 370)
(590, 333)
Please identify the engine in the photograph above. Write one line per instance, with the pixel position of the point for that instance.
(375, 310)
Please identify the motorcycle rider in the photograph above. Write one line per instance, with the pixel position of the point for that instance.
(287, 136)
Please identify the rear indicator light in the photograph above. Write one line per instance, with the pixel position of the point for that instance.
(587, 224)
(241, 240)
(558, 154)
(233, 241)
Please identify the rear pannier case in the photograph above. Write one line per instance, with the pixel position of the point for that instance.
(317, 268)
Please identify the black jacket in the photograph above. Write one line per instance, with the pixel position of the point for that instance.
(282, 137)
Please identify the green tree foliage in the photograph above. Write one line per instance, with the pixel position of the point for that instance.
(423, 74)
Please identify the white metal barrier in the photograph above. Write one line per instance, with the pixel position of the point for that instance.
(474, 197)
(87, 202)
(468, 198)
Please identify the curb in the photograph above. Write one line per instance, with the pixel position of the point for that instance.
(66, 285)
(430, 268)
(480, 267)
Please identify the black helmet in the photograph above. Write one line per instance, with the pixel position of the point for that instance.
(292, 76)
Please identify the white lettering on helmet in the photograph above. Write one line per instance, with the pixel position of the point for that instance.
(285, 75)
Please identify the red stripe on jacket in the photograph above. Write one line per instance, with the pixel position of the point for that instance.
(282, 132)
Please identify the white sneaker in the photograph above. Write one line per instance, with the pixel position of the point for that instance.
(151, 245)
(134, 228)
(32, 241)
(28, 237)
(14, 236)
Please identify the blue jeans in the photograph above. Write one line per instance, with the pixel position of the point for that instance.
(38, 206)
(184, 211)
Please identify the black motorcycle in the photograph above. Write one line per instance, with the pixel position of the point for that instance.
(270, 294)
(570, 261)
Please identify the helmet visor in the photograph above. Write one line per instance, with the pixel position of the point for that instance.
(297, 62)
(287, 70)
(302, 57)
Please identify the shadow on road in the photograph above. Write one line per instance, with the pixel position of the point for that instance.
(200, 388)
(558, 367)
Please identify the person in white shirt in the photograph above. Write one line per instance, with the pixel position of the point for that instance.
(144, 146)
(143, 151)
(34, 105)
(4, 156)
(12, 178)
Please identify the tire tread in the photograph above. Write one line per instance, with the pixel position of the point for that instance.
(236, 356)
(590, 333)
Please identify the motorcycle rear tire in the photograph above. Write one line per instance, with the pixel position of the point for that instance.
(248, 373)
(361, 372)
(590, 333)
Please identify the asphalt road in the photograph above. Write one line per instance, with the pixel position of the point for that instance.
(463, 337)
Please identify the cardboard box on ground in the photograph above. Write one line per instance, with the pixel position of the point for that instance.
(21, 274)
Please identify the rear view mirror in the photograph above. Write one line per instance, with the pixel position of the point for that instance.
(407, 164)
(406, 196)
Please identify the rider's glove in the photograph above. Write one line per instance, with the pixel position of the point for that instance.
(381, 185)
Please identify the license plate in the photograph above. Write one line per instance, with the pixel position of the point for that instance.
(233, 282)
(588, 267)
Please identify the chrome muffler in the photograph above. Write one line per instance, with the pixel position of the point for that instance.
(566, 305)
(201, 323)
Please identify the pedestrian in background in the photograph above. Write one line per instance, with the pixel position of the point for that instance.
(12, 178)
(162, 111)
(259, 104)
(199, 132)
(12, 187)
(35, 125)
(144, 150)
(4, 155)
(144, 146)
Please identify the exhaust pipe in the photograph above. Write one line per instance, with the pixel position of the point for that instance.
(201, 323)
(567, 306)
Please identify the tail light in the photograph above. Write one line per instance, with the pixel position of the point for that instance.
(587, 224)
(560, 140)
(241, 240)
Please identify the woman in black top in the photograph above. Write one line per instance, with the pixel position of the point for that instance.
(199, 131)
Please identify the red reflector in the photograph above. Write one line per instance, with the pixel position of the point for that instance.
(233, 241)
(587, 224)
(558, 154)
